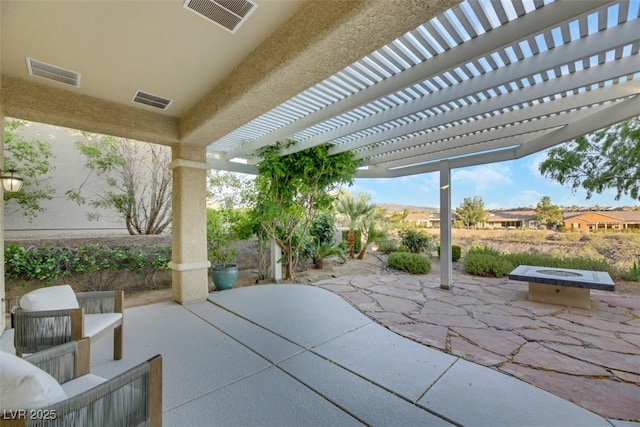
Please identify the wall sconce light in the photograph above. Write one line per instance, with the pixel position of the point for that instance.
(11, 181)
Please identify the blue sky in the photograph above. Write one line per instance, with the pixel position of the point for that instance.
(515, 183)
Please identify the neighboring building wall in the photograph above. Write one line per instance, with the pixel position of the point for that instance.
(61, 216)
(598, 220)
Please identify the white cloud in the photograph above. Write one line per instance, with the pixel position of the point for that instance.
(534, 163)
(525, 198)
(484, 177)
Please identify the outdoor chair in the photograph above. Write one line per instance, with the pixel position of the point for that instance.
(51, 316)
(54, 388)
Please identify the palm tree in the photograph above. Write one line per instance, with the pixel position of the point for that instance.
(369, 229)
(355, 210)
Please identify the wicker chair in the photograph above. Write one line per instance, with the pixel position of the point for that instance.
(99, 313)
(132, 398)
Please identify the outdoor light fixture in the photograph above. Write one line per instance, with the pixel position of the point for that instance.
(11, 181)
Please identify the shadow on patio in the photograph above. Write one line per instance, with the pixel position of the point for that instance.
(299, 355)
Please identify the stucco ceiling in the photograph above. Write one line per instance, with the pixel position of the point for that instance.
(402, 84)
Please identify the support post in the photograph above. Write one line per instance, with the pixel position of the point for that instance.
(190, 278)
(276, 265)
(446, 267)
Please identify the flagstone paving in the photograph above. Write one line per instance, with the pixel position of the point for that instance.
(590, 357)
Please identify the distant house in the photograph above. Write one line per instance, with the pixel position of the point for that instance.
(510, 219)
(419, 219)
(425, 219)
(602, 220)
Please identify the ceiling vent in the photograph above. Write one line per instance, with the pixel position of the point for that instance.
(51, 72)
(150, 100)
(229, 14)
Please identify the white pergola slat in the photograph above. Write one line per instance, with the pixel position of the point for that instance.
(478, 78)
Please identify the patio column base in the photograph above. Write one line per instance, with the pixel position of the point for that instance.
(185, 294)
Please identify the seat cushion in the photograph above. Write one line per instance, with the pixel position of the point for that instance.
(52, 298)
(96, 323)
(81, 384)
(25, 386)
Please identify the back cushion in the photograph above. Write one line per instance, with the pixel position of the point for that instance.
(25, 386)
(51, 298)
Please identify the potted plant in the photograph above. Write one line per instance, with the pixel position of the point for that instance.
(224, 270)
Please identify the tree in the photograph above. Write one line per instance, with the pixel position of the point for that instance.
(31, 159)
(547, 213)
(609, 158)
(471, 211)
(135, 182)
(292, 188)
(355, 209)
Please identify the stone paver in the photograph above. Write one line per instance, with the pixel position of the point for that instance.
(590, 357)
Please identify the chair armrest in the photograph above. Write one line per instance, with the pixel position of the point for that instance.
(131, 398)
(64, 362)
(62, 326)
(101, 301)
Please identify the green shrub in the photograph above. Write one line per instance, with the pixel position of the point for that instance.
(542, 260)
(50, 263)
(634, 273)
(388, 246)
(483, 249)
(456, 252)
(485, 264)
(323, 228)
(410, 262)
(416, 241)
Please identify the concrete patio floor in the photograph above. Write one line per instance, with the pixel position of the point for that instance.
(299, 355)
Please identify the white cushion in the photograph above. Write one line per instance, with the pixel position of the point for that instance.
(52, 298)
(96, 323)
(81, 384)
(25, 386)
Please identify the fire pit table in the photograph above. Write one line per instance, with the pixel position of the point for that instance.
(562, 286)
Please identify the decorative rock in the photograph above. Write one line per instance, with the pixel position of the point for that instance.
(538, 356)
(505, 322)
(548, 335)
(450, 321)
(435, 336)
(438, 307)
(396, 305)
(622, 362)
(466, 350)
(399, 292)
(499, 342)
(586, 392)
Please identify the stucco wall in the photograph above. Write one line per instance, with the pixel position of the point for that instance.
(61, 215)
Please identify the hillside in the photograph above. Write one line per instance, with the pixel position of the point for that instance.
(395, 207)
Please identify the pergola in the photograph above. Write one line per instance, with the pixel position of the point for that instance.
(409, 87)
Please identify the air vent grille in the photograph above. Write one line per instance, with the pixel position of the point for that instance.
(229, 14)
(150, 100)
(52, 72)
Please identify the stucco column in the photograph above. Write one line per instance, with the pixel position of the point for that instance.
(190, 279)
